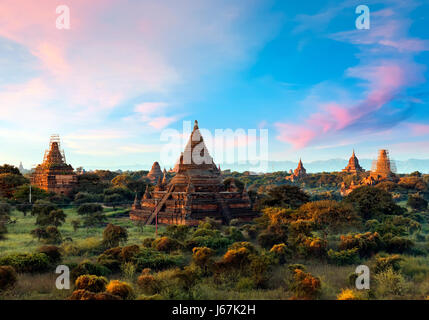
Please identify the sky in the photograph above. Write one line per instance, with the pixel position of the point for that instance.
(128, 73)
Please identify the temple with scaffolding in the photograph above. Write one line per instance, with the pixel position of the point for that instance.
(54, 174)
(194, 193)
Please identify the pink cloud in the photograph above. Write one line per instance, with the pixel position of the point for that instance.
(297, 136)
(419, 129)
(161, 122)
(382, 81)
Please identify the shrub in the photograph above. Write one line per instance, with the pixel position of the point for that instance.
(113, 235)
(343, 257)
(281, 252)
(53, 253)
(384, 263)
(91, 283)
(166, 244)
(267, 239)
(305, 285)
(87, 295)
(178, 232)
(389, 283)
(128, 252)
(348, 294)
(148, 284)
(218, 243)
(87, 267)
(397, 244)
(312, 246)
(147, 242)
(119, 288)
(367, 243)
(27, 262)
(156, 260)
(201, 256)
(8, 277)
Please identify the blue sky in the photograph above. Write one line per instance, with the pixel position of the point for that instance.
(123, 74)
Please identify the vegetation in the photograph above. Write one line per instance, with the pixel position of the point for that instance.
(306, 243)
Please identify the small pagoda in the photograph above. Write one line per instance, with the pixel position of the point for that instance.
(155, 172)
(298, 173)
(353, 165)
(194, 193)
(54, 174)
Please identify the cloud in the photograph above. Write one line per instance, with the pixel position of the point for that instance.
(379, 100)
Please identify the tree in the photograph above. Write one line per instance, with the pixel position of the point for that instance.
(373, 203)
(113, 235)
(49, 234)
(24, 208)
(417, 203)
(9, 182)
(121, 180)
(114, 200)
(47, 214)
(5, 210)
(7, 168)
(22, 193)
(92, 214)
(286, 196)
(329, 214)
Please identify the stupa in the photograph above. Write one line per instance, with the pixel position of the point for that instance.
(298, 173)
(194, 193)
(155, 172)
(353, 165)
(54, 174)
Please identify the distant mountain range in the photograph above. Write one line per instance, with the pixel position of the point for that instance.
(405, 166)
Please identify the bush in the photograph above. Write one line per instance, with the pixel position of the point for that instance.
(87, 267)
(389, 283)
(148, 284)
(305, 285)
(178, 232)
(384, 263)
(312, 247)
(343, 257)
(147, 242)
(8, 277)
(348, 294)
(120, 289)
(397, 244)
(166, 244)
(201, 256)
(113, 235)
(128, 252)
(91, 283)
(87, 295)
(281, 252)
(217, 243)
(156, 260)
(53, 253)
(367, 243)
(27, 262)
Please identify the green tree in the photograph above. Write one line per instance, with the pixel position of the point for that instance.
(21, 194)
(47, 214)
(417, 203)
(286, 196)
(92, 214)
(373, 203)
(329, 214)
(9, 182)
(114, 235)
(5, 210)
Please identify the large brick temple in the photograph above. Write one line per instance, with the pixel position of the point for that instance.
(195, 192)
(54, 174)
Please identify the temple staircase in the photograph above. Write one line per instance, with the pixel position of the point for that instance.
(159, 206)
